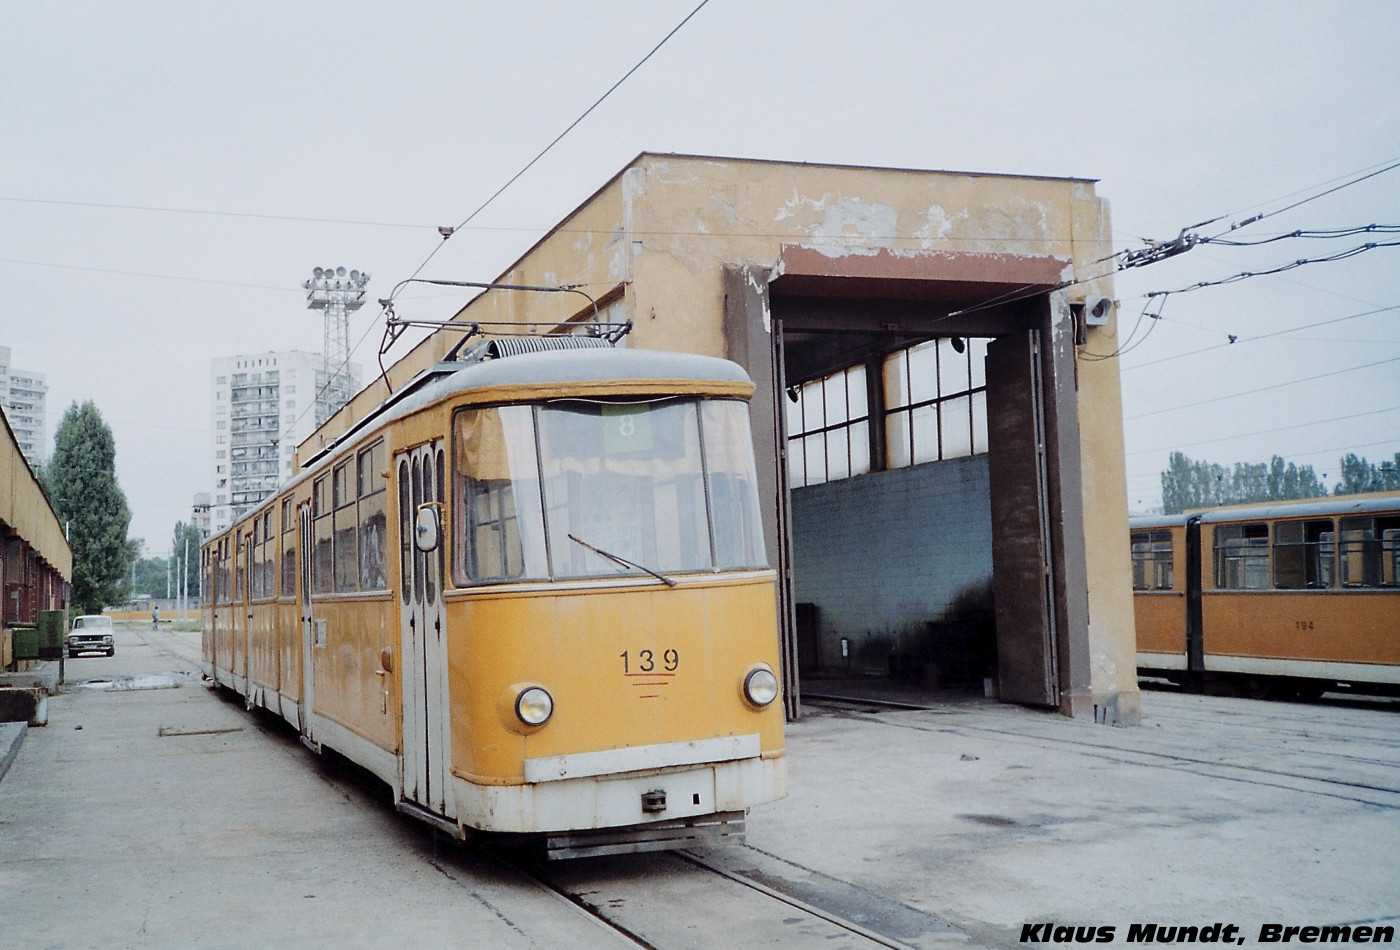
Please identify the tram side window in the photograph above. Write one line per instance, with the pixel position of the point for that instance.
(499, 515)
(255, 551)
(373, 492)
(732, 484)
(254, 564)
(289, 548)
(1152, 560)
(1242, 556)
(346, 528)
(239, 556)
(323, 563)
(1370, 550)
(269, 556)
(1305, 553)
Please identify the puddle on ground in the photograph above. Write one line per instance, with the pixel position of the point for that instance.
(136, 681)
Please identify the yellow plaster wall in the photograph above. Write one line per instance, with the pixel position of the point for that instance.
(1112, 633)
(25, 507)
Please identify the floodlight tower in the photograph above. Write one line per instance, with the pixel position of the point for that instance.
(337, 293)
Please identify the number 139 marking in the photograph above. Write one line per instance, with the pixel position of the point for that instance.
(646, 661)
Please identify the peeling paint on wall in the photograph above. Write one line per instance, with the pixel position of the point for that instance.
(761, 291)
(847, 225)
(875, 224)
(938, 224)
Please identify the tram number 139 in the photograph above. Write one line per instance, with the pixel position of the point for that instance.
(645, 661)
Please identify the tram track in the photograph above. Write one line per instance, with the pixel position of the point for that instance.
(1328, 730)
(668, 900)
(1383, 793)
(680, 900)
(674, 900)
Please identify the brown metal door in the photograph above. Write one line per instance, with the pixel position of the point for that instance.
(1022, 577)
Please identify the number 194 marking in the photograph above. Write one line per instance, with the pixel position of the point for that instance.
(645, 661)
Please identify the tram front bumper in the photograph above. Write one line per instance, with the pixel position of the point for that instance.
(623, 798)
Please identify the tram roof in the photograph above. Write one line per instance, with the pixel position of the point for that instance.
(565, 367)
(1338, 506)
(543, 370)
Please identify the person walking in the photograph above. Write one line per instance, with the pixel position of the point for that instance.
(155, 617)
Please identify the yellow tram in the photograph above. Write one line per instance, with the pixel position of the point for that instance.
(1292, 597)
(530, 593)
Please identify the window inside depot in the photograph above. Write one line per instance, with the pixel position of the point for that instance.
(929, 403)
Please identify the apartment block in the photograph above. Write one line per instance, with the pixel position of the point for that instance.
(23, 395)
(264, 404)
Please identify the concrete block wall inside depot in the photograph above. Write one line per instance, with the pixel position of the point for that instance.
(922, 539)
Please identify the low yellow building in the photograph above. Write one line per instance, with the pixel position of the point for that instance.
(938, 417)
(36, 565)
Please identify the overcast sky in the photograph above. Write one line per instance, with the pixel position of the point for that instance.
(408, 116)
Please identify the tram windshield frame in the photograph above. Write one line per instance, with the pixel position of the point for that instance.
(576, 488)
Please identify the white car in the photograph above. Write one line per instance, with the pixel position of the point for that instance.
(92, 634)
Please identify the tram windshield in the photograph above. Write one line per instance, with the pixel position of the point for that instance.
(575, 488)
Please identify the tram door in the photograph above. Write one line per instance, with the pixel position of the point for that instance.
(305, 550)
(246, 610)
(239, 613)
(427, 717)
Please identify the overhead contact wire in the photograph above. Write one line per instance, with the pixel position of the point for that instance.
(557, 139)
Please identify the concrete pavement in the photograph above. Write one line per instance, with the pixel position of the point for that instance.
(171, 818)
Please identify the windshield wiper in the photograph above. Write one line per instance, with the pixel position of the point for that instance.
(624, 562)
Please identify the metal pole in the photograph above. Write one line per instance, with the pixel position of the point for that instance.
(185, 576)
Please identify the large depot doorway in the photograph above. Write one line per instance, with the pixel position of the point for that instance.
(958, 546)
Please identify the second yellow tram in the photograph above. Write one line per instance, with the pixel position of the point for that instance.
(1293, 598)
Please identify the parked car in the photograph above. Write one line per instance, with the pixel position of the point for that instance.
(92, 634)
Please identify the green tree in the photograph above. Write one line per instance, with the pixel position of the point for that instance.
(1359, 476)
(152, 576)
(81, 480)
(1188, 484)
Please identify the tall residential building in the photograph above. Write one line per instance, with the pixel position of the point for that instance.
(264, 405)
(22, 396)
(199, 513)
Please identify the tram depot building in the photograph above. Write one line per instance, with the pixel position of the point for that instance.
(939, 442)
(36, 571)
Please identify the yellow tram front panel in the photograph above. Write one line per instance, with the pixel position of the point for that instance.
(632, 666)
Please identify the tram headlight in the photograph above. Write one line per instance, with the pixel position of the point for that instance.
(534, 706)
(760, 685)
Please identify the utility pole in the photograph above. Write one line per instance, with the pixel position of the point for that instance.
(185, 580)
